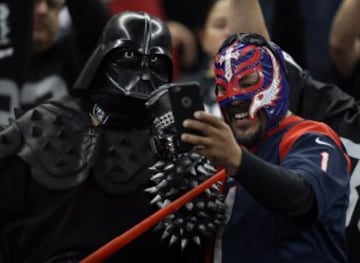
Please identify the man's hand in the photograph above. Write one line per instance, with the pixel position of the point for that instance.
(217, 142)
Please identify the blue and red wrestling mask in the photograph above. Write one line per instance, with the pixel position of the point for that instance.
(243, 54)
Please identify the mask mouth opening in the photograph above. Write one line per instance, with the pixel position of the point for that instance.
(238, 110)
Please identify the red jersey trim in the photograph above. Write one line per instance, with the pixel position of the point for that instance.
(307, 126)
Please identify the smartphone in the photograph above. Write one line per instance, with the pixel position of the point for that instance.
(185, 99)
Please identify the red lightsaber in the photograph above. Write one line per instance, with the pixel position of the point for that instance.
(118, 242)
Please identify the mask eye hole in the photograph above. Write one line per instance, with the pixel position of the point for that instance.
(220, 90)
(248, 80)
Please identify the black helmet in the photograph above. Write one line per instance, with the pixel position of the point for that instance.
(134, 55)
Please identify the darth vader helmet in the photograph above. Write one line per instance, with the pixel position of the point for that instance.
(131, 60)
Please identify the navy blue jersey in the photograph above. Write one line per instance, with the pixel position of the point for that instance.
(256, 234)
(325, 102)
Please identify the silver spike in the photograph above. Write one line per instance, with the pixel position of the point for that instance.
(181, 231)
(189, 206)
(194, 156)
(211, 227)
(173, 191)
(217, 221)
(211, 205)
(202, 214)
(202, 228)
(200, 204)
(208, 191)
(184, 243)
(159, 226)
(218, 202)
(169, 166)
(219, 183)
(157, 176)
(151, 190)
(169, 228)
(202, 170)
(197, 240)
(210, 168)
(165, 235)
(160, 204)
(166, 202)
(189, 226)
(179, 221)
(171, 177)
(215, 187)
(194, 183)
(157, 165)
(173, 240)
(156, 199)
(164, 183)
(171, 216)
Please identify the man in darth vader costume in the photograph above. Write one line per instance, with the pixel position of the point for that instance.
(74, 170)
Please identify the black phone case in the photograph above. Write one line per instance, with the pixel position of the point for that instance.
(185, 99)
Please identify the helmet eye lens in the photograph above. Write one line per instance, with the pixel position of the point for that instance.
(129, 54)
(160, 65)
(154, 58)
(126, 58)
(133, 60)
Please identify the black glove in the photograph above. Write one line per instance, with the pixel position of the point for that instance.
(164, 140)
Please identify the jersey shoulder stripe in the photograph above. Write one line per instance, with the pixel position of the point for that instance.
(308, 126)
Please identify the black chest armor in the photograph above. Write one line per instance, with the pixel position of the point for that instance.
(62, 149)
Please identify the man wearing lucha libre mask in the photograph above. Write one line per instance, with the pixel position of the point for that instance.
(288, 178)
(74, 169)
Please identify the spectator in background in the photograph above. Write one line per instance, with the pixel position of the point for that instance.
(56, 62)
(319, 16)
(153, 7)
(315, 25)
(344, 42)
(213, 27)
(287, 15)
(281, 17)
(15, 51)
